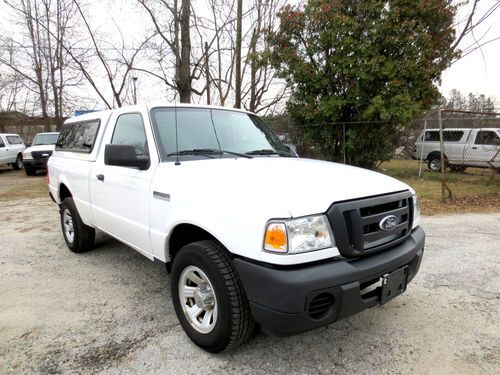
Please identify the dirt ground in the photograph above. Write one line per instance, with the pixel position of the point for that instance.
(109, 311)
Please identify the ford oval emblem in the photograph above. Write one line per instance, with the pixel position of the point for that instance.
(388, 223)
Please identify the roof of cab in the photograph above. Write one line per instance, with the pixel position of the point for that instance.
(139, 107)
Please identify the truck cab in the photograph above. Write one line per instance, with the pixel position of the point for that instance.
(251, 234)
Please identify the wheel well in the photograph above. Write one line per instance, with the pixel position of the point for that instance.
(184, 234)
(435, 155)
(64, 192)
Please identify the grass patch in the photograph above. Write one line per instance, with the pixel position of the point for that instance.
(16, 185)
(475, 190)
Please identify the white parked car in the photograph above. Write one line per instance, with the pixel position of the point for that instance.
(251, 233)
(11, 150)
(36, 155)
(462, 148)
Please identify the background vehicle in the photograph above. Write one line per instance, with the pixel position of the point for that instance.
(251, 233)
(462, 148)
(11, 150)
(35, 156)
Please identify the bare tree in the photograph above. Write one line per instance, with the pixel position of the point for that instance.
(467, 27)
(237, 78)
(261, 80)
(37, 56)
(115, 59)
(172, 24)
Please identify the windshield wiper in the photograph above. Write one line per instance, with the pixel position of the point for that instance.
(207, 152)
(270, 152)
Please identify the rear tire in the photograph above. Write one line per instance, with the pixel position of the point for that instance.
(229, 321)
(18, 164)
(78, 236)
(458, 168)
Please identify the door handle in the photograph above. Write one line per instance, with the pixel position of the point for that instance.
(100, 177)
(474, 148)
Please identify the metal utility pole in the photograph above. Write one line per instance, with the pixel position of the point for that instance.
(422, 149)
(134, 80)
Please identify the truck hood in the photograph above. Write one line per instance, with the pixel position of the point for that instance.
(300, 186)
(40, 148)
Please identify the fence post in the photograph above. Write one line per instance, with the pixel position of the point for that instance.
(422, 148)
(444, 188)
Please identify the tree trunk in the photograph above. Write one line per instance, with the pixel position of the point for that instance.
(184, 83)
(237, 85)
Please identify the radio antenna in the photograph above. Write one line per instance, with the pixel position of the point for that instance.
(177, 162)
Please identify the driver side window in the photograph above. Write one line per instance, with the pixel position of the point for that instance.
(486, 138)
(2, 144)
(129, 130)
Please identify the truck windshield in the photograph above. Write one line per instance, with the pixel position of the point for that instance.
(213, 129)
(45, 139)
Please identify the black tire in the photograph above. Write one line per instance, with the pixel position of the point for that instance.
(434, 163)
(234, 324)
(18, 164)
(30, 171)
(458, 168)
(83, 236)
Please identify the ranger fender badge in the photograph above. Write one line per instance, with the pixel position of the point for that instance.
(388, 223)
(160, 195)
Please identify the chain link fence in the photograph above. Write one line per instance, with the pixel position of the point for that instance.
(447, 154)
(459, 147)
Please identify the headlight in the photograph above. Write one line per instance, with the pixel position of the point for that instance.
(298, 235)
(27, 156)
(416, 211)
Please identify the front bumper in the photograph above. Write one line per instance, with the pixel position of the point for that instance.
(280, 298)
(35, 163)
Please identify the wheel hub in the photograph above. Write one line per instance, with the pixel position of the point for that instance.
(204, 297)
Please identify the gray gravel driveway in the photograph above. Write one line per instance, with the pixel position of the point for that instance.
(109, 310)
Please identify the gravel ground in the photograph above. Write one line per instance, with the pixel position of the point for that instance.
(109, 311)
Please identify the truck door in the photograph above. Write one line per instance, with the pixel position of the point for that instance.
(120, 196)
(483, 148)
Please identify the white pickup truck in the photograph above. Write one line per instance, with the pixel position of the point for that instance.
(35, 157)
(251, 233)
(479, 148)
(11, 150)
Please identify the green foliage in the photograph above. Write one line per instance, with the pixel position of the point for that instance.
(369, 61)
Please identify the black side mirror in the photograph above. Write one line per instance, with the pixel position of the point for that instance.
(124, 156)
(291, 149)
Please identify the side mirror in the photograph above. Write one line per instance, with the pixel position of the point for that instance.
(27, 144)
(291, 149)
(124, 156)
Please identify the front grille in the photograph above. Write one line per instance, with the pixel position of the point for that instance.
(41, 154)
(357, 228)
(320, 305)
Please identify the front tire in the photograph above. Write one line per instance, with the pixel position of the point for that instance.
(30, 171)
(78, 236)
(434, 163)
(18, 164)
(208, 297)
